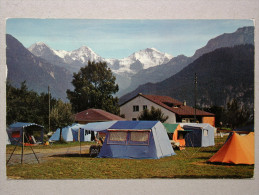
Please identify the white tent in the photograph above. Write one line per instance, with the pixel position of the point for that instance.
(99, 126)
(67, 134)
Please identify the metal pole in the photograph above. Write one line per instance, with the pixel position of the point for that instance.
(22, 144)
(80, 139)
(49, 107)
(195, 96)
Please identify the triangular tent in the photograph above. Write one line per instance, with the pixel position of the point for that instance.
(237, 150)
(67, 134)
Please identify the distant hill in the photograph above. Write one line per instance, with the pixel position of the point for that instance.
(39, 74)
(244, 35)
(121, 68)
(223, 74)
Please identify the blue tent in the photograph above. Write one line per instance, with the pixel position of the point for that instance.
(72, 133)
(137, 140)
(200, 135)
(31, 130)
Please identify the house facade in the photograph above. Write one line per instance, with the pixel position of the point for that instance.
(177, 112)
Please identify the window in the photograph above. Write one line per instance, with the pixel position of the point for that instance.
(180, 135)
(139, 138)
(144, 107)
(135, 108)
(117, 137)
(134, 119)
(205, 132)
(128, 137)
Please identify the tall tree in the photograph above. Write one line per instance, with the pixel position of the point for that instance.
(236, 114)
(152, 115)
(24, 105)
(21, 104)
(94, 88)
(61, 116)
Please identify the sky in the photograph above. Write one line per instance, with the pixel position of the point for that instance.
(121, 38)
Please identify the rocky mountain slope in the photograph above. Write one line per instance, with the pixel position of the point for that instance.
(223, 74)
(39, 74)
(241, 36)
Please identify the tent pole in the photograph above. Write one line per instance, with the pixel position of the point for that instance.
(13, 151)
(22, 145)
(80, 140)
(32, 150)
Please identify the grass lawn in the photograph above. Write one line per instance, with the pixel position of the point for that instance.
(189, 163)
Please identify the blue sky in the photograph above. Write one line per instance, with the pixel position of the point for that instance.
(121, 38)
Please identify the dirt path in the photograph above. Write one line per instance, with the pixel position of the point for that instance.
(45, 154)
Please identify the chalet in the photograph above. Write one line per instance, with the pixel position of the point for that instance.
(95, 115)
(177, 112)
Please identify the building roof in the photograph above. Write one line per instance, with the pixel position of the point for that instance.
(94, 115)
(173, 105)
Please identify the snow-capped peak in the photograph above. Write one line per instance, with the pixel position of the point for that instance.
(142, 59)
(151, 57)
(41, 43)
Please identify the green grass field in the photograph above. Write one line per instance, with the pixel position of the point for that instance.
(189, 163)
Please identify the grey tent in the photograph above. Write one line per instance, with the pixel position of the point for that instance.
(201, 135)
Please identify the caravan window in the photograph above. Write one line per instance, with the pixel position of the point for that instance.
(117, 137)
(205, 132)
(139, 137)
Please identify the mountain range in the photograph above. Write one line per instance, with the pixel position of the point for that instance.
(147, 65)
(159, 73)
(37, 72)
(222, 75)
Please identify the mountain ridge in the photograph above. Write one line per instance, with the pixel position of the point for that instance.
(244, 35)
(223, 74)
(39, 74)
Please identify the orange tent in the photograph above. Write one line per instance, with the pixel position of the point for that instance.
(177, 131)
(238, 149)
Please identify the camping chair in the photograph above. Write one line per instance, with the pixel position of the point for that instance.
(95, 149)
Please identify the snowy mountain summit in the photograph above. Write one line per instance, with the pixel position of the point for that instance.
(151, 57)
(142, 59)
(73, 60)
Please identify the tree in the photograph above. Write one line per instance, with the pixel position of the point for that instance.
(21, 104)
(94, 88)
(219, 112)
(61, 116)
(25, 105)
(236, 114)
(152, 115)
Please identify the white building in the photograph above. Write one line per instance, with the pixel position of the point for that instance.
(175, 110)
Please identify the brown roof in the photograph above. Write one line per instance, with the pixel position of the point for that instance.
(174, 105)
(91, 115)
